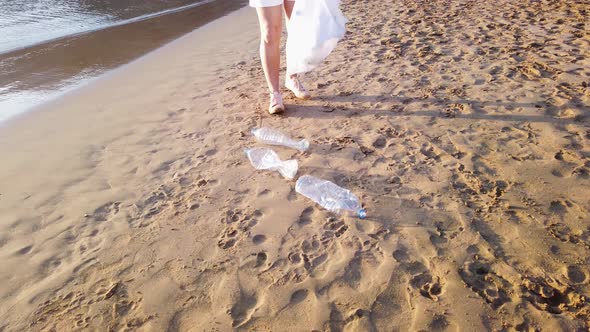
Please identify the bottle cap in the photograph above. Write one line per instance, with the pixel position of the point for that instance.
(304, 145)
(362, 213)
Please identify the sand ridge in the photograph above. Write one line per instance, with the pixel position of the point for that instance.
(461, 125)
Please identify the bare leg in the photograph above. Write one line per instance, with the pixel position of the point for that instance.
(271, 25)
(289, 8)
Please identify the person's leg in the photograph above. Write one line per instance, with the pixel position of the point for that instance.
(271, 24)
(288, 4)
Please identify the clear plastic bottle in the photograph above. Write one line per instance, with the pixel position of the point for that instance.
(265, 158)
(330, 196)
(275, 137)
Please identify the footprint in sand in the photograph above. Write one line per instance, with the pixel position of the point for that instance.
(551, 295)
(255, 260)
(401, 255)
(305, 217)
(562, 232)
(380, 143)
(151, 206)
(294, 257)
(575, 274)
(75, 307)
(582, 172)
(238, 226)
(307, 258)
(480, 278)
(258, 239)
(439, 323)
(338, 322)
(454, 110)
(106, 211)
(333, 228)
(421, 279)
(558, 208)
(24, 250)
(299, 296)
(242, 310)
(310, 246)
(228, 238)
(427, 285)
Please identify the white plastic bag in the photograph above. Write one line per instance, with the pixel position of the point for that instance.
(314, 29)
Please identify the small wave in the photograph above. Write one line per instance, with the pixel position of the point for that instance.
(39, 31)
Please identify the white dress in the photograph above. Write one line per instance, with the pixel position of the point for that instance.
(266, 3)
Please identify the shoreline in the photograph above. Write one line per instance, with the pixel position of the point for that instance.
(105, 26)
(463, 130)
(48, 70)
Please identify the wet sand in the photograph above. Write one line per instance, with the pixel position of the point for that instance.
(35, 74)
(462, 126)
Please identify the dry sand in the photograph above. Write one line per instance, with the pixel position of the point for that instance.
(462, 125)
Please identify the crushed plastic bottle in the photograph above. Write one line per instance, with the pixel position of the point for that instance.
(330, 196)
(265, 158)
(275, 137)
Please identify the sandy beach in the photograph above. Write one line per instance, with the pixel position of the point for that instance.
(463, 127)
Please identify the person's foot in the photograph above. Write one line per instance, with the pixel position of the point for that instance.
(292, 83)
(276, 103)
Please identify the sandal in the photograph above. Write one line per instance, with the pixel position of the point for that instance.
(293, 84)
(276, 103)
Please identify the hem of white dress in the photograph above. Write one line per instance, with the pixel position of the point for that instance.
(266, 3)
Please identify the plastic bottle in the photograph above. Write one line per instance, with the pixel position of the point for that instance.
(265, 158)
(330, 196)
(275, 137)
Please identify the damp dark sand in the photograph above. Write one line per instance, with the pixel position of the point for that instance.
(103, 36)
